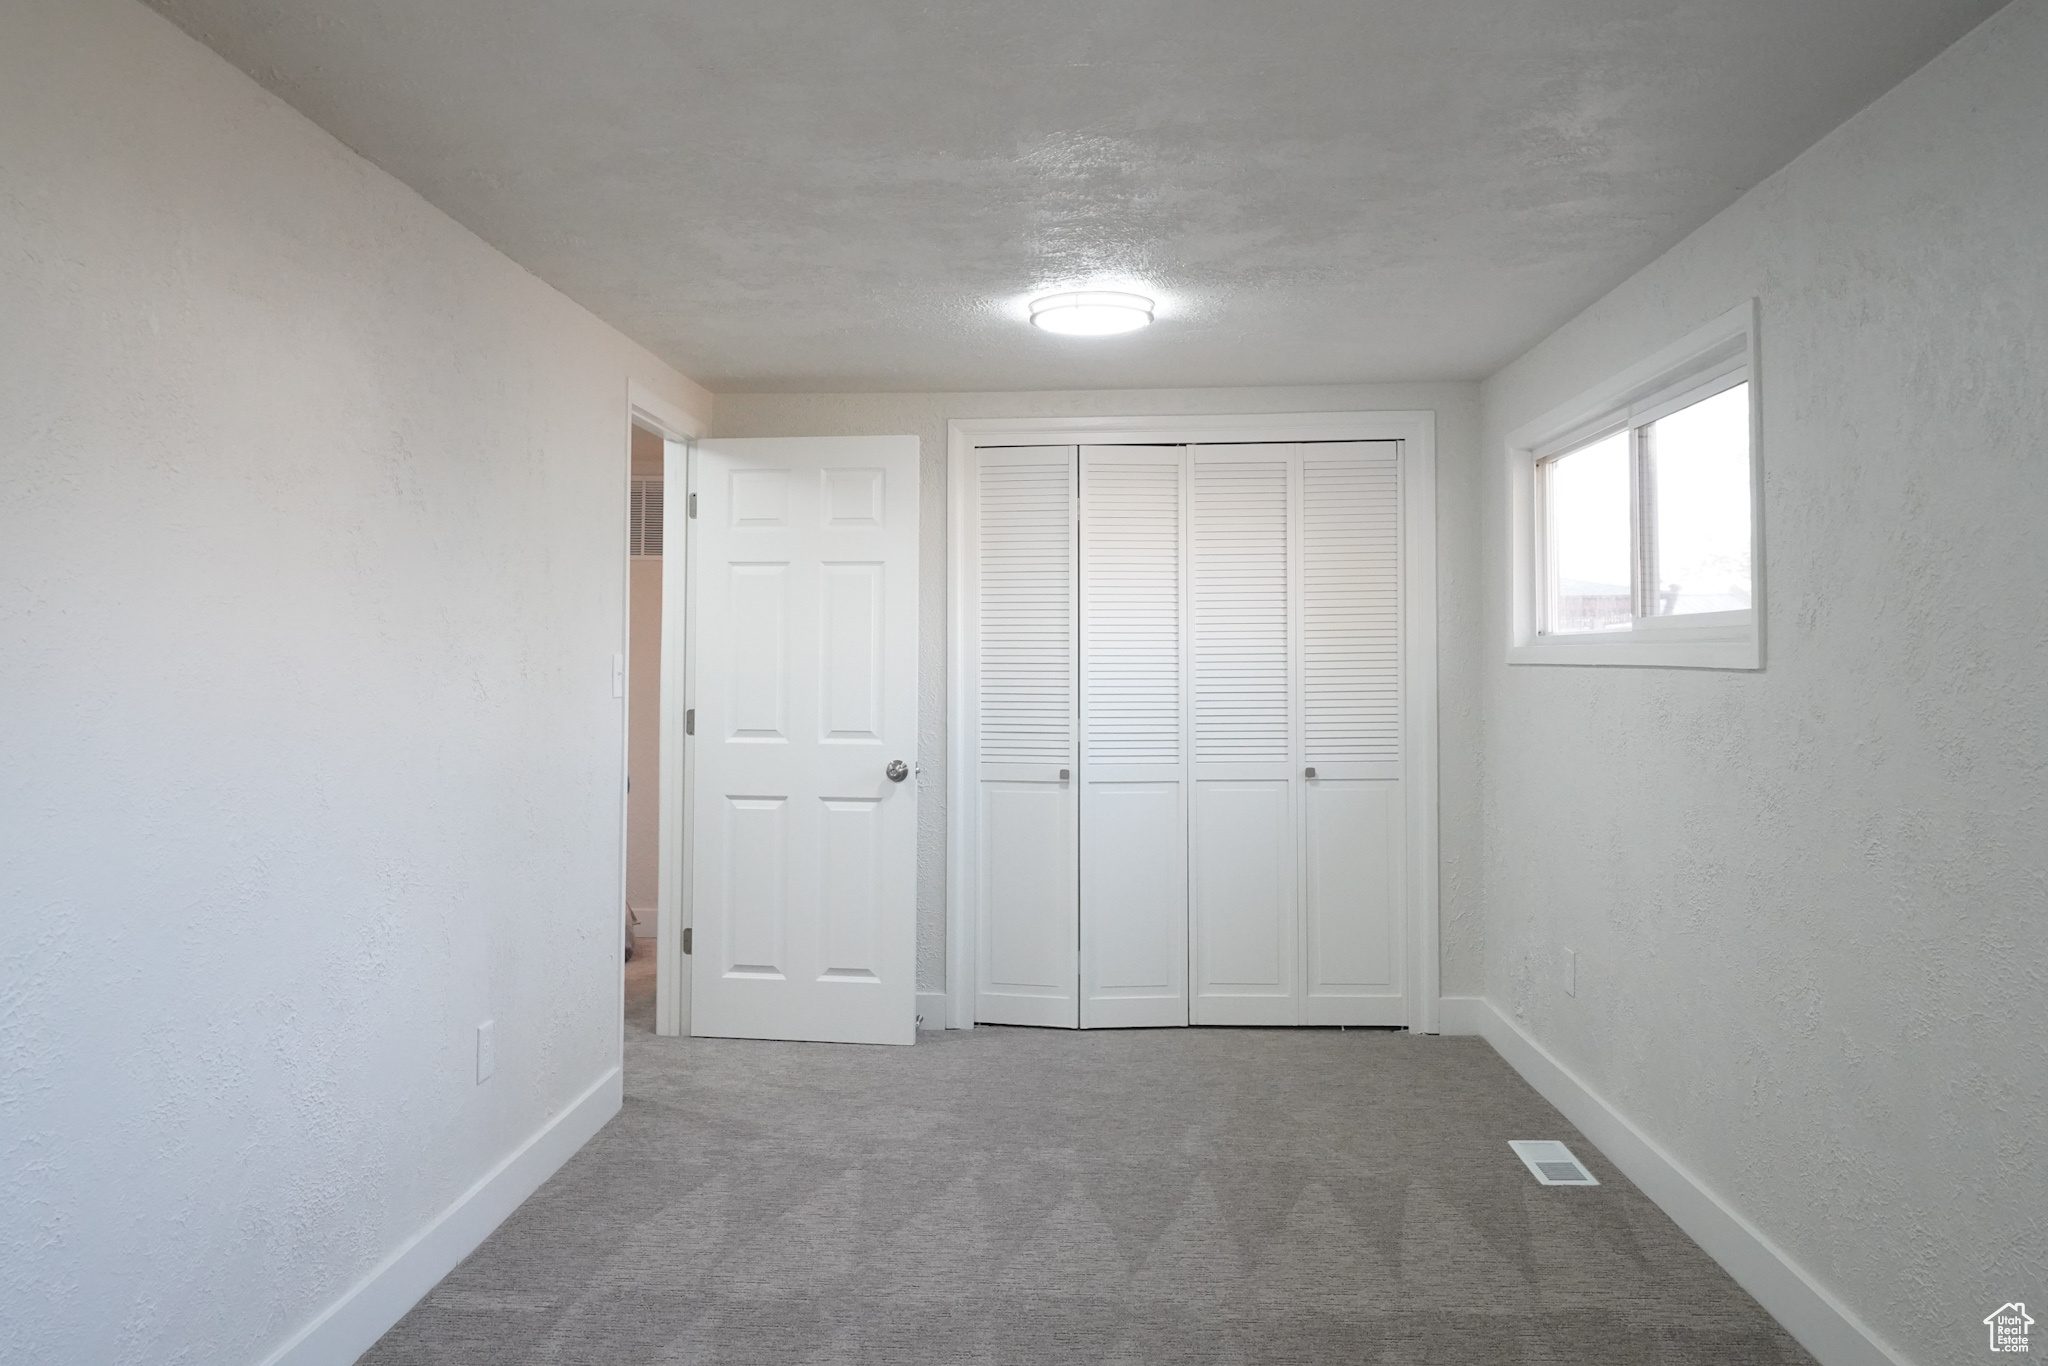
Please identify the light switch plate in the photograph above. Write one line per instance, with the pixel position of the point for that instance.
(1571, 972)
(486, 1050)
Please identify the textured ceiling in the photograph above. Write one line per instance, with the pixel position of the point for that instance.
(859, 194)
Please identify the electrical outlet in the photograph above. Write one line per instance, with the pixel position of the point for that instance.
(1571, 972)
(486, 1050)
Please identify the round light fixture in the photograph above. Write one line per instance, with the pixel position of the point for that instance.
(1091, 313)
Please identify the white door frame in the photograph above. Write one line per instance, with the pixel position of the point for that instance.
(1417, 431)
(677, 430)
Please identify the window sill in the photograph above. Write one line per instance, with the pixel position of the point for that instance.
(1731, 646)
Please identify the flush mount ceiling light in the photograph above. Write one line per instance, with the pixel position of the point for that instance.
(1091, 313)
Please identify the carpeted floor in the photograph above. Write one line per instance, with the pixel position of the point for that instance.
(1042, 1197)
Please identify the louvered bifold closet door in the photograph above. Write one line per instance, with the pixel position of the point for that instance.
(1353, 832)
(1295, 851)
(1243, 848)
(1026, 700)
(1134, 744)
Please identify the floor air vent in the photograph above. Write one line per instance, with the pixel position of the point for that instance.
(1551, 1162)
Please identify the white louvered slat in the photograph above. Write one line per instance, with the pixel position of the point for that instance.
(644, 523)
(1133, 799)
(1240, 609)
(1027, 642)
(1130, 603)
(1351, 601)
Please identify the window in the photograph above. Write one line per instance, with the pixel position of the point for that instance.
(1636, 509)
(1695, 505)
(1586, 495)
(1650, 521)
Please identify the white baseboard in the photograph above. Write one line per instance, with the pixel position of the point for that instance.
(348, 1327)
(931, 1010)
(1823, 1325)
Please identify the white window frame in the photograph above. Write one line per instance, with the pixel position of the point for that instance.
(1712, 359)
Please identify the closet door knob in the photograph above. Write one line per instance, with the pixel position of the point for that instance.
(1308, 773)
(897, 771)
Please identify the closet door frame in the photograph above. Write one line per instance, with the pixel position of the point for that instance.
(1416, 430)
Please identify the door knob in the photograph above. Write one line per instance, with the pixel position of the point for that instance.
(897, 771)
(1308, 773)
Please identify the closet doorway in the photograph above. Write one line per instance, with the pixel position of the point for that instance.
(1192, 715)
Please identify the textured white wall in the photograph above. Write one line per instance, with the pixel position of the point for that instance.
(311, 544)
(1808, 902)
(925, 416)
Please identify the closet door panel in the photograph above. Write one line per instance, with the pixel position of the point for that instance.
(1352, 832)
(1025, 690)
(1027, 895)
(1351, 602)
(1134, 904)
(1245, 902)
(1354, 875)
(1245, 898)
(1244, 685)
(1133, 792)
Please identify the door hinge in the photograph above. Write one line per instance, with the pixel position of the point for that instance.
(686, 939)
(690, 721)
(693, 505)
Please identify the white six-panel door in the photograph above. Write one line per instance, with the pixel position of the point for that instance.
(805, 642)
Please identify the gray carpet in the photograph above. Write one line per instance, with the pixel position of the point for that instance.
(1039, 1198)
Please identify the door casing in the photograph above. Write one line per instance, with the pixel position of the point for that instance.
(677, 430)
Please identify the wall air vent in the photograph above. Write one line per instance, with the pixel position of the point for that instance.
(1551, 1163)
(645, 536)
